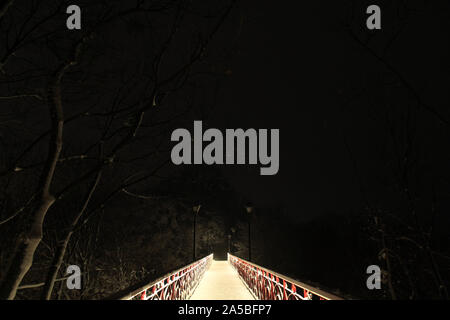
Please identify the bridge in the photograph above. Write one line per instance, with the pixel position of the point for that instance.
(231, 279)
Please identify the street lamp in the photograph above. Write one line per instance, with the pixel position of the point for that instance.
(249, 210)
(195, 209)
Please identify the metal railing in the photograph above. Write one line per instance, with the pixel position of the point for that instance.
(266, 284)
(176, 285)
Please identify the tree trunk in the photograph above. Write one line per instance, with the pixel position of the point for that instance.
(56, 264)
(62, 245)
(23, 257)
(28, 243)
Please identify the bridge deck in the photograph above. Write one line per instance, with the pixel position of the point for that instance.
(221, 282)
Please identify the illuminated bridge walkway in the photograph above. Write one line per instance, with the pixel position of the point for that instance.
(221, 282)
(233, 279)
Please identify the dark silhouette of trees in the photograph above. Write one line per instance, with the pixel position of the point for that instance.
(98, 105)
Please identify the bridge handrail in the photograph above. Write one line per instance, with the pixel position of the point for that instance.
(175, 285)
(266, 284)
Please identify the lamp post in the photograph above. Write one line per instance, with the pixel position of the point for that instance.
(195, 209)
(249, 210)
(229, 243)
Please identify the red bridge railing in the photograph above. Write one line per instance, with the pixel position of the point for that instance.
(176, 285)
(269, 285)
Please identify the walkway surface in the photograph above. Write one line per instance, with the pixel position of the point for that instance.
(221, 282)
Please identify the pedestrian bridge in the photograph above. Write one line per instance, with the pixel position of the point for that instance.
(231, 279)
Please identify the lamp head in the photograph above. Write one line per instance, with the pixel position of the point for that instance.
(196, 208)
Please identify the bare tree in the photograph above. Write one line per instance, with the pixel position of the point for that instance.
(119, 122)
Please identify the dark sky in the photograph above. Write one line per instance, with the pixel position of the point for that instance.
(286, 76)
(295, 67)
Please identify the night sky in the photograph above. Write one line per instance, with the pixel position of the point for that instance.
(296, 67)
